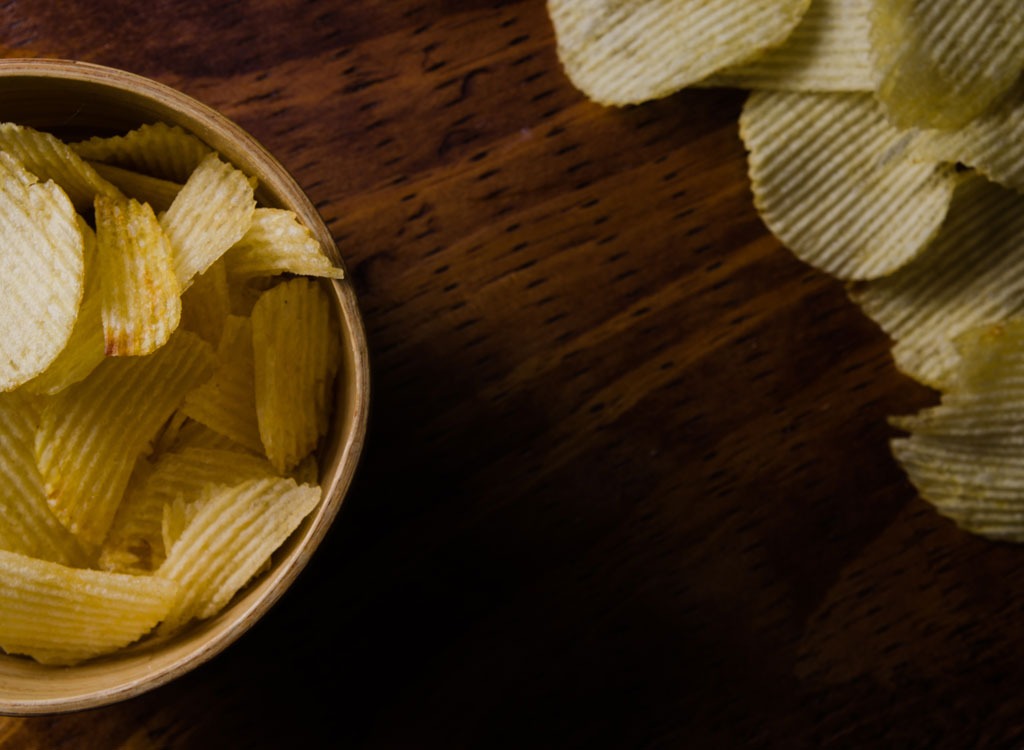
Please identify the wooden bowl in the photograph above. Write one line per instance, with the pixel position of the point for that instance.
(71, 97)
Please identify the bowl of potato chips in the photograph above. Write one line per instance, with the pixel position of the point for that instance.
(184, 384)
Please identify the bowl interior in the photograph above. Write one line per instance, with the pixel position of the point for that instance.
(78, 99)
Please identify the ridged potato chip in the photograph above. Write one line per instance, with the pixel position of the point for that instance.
(233, 532)
(157, 149)
(92, 432)
(62, 615)
(839, 185)
(629, 52)
(42, 269)
(210, 214)
(141, 295)
(276, 242)
(142, 187)
(830, 50)
(971, 275)
(966, 455)
(941, 63)
(294, 373)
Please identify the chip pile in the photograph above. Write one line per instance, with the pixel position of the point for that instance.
(886, 148)
(166, 376)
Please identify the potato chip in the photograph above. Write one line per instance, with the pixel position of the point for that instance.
(142, 187)
(941, 63)
(157, 149)
(232, 535)
(127, 547)
(294, 372)
(49, 158)
(92, 432)
(971, 275)
(207, 303)
(226, 403)
(42, 270)
(27, 525)
(966, 455)
(211, 213)
(62, 615)
(829, 50)
(838, 185)
(626, 53)
(141, 296)
(276, 242)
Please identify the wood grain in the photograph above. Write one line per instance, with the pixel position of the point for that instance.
(627, 482)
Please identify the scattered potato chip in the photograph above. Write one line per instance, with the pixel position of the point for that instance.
(966, 455)
(276, 242)
(971, 275)
(226, 403)
(141, 296)
(142, 187)
(293, 373)
(838, 185)
(210, 214)
(92, 432)
(42, 269)
(62, 615)
(829, 50)
(232, 534)
(941, 63)
(160, 150)
(626, 53)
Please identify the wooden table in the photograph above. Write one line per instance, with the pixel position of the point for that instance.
(627, 482)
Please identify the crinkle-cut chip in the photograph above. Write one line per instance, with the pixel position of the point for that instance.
(211, 213)
(838, 185)
(277, 242)
(157, 149)
(992, 143)
(966, 455)
(296, 344)
(829, 50)
(49, 158)
(136, 543)
(941, 63)
(226, 403)
(232, 535)
(142, 187)
(206, 304)
(27, 525)
(971, 275)
(92, 432)
(62, 615)
(630, 52)
(42, 272)
(141, 296)
(85, 348)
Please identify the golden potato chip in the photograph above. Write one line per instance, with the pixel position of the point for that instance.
(49, 158)
(972, 274)
(27, 525)
(207, 303)
(142, 187)
(941, 63)
(127, 547)
(92, 432)
(43, 267)
(62, 615)
(838, 185)
(226, 403)
(231, 536)
(210, 214)
(157, 149)
(141, 296)
(276, 242)
(966, 455)
(626, 53)
(294, 372)
(829, 50)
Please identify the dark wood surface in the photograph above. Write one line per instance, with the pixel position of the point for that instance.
(627, 482)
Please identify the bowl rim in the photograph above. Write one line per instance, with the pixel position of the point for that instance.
(161, 663)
